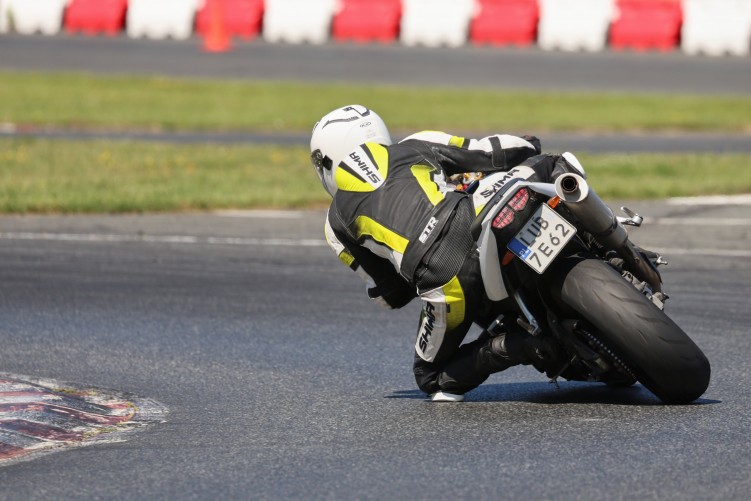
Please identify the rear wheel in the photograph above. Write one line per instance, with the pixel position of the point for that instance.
(658, 353)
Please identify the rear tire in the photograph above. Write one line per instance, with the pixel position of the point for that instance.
(661, 356)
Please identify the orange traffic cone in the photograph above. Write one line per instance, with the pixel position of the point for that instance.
(216, 39)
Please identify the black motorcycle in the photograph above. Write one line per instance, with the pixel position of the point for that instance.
(564, 267)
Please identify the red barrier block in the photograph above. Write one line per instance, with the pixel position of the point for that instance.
(367, 21)
(95, 16)
(646, 24)
(504, 22)
(240, 18)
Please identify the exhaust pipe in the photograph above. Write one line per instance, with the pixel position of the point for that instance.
(597, 218)
(591, 211)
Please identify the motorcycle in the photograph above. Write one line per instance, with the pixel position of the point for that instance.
(564, 268)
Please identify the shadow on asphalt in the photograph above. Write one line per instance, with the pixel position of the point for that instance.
(546, 393)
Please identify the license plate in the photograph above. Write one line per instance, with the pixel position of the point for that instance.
(542, 238)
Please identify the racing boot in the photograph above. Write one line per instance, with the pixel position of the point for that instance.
(467, 369)
(521, 348)
(488, 354)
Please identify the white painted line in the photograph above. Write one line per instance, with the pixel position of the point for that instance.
(279, 242)
(259, 214)
(744, 199)
(92, 237)
(697, 221)
(667, 252)
(270, 242)
(164, 239)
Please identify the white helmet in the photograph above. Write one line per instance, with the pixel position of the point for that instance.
(338, 134)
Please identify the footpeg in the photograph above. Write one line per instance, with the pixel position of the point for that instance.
(633, 218)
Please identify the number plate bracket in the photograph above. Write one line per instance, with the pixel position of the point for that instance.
(542, 238)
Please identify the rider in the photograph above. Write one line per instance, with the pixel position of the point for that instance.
(397, 221)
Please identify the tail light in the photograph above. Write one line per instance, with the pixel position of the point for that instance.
(517, 204)
(519, 201)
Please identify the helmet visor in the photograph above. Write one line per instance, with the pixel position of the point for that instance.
(320, 162)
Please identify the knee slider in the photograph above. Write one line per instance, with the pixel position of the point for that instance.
(425, 377)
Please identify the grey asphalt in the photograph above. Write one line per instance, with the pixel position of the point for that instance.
(467, 67)
(284, 382)
(552, 141)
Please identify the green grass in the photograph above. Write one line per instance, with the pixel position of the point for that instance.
(109, 176)
(654, 176)
(159, 103)
(104, 176)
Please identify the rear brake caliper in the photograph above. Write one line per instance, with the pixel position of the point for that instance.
(658, 298)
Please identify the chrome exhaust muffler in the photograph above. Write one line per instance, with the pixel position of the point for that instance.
(597, 219)
(594, 216)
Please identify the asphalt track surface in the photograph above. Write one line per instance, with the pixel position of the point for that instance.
(284, 382)
(467, 67)
(281, 379)
(552, 142)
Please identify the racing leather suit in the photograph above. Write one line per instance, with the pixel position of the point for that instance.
(397, 222)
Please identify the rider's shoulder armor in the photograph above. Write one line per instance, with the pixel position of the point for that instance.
(364, 169)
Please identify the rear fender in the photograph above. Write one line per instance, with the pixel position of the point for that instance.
(490, 260)
(490, 263)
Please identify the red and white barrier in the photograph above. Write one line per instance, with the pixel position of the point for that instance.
(646, 24)
(503, 22)
(710, 27)
(433, 23)
(367, 21)
(240, 18)
(161, 18)
(92, 17)
(574, 24)
(32, 16)
(716, 27)
(298, 21)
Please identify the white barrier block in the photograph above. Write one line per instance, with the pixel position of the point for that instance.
(436, 22)
(716, 27)
(3, 17)
(161, 18)
(298, 21)
(30, 16)
(574, 24)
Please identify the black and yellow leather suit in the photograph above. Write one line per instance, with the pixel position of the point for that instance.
(397, 222)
